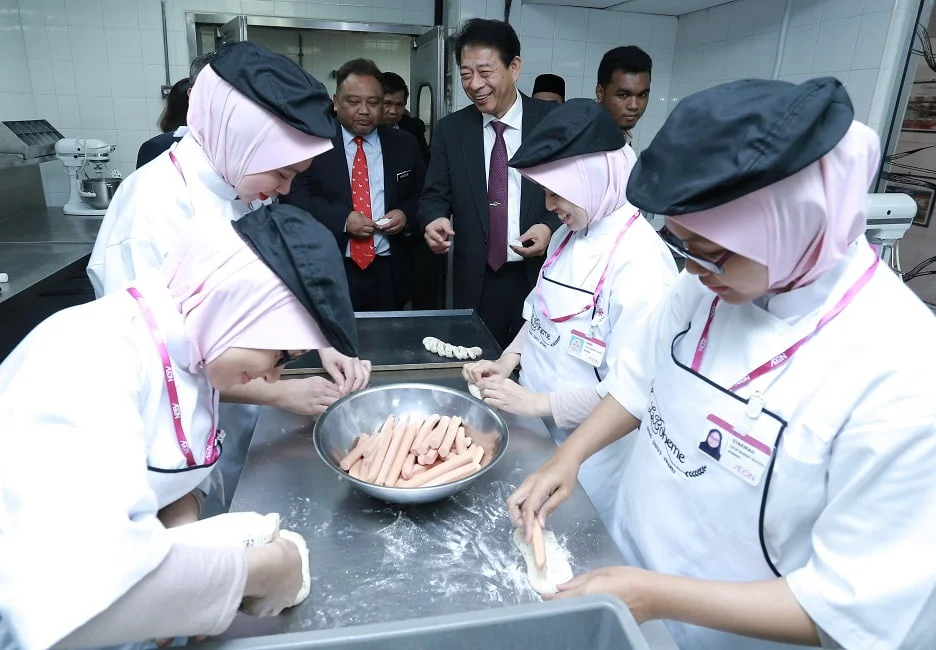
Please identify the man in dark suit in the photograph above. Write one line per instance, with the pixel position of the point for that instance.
(365, 191)
(396, 94)
(498, 221)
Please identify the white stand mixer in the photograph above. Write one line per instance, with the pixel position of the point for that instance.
(85, 154)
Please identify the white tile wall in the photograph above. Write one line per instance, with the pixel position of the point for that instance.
(94, 67)
(849, 39)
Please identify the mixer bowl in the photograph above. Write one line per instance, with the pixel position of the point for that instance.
(365, 411)
(98, 192)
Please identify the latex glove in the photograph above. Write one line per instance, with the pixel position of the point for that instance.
(542, 492)
(438, 233)
(274, 577)
(397, 222)
(507, 395)
(306, 396)
(475, 372)
(350, 374)
(539, 235)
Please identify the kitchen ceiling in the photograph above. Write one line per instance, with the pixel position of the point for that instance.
(662, 7)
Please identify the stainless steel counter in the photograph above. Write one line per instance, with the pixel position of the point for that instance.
(47, 225)
(373, 562)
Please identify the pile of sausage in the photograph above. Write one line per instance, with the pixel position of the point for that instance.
(415, 451)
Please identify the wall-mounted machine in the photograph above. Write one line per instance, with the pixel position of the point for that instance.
(889, 218)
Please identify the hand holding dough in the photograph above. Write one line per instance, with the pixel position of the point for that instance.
(557, 571)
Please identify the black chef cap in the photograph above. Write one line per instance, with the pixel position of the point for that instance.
(575, 128)
(549, 83)
(277, 84)
(302, 252)
(728, 141)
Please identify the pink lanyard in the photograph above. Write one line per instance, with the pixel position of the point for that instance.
(601, 281)
(784, 356)
(175, 161)
(211, 451)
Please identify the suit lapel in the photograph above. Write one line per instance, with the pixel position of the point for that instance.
(341, 161)
(389, 171)
(474, 158)
(530, 117)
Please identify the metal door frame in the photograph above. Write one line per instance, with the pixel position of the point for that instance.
(192, 18)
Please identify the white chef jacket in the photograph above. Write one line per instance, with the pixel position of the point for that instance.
(850, 515)
(84, 411)
(149, 210)
(640, 272)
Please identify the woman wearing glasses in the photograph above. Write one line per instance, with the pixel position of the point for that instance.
(604, 273)
(108, 423)
(815, 523)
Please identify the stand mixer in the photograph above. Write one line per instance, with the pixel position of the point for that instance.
(91, 194)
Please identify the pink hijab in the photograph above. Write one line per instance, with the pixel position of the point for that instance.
(801, 226)
(229, 297)
(238, 136)
(595, 182)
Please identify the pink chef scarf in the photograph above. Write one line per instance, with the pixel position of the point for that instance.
(801, 226)
(238, 136)
(595, 182)
(229, 297)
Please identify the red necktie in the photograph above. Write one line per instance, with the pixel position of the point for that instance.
(362, 250)
(497, 199)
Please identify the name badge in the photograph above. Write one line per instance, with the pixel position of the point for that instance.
(401, 175)
(745, 455)
(589, 349)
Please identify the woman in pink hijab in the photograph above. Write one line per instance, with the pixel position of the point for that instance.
(814, 523)
(255, 120)
(125, 429)
(605, 270)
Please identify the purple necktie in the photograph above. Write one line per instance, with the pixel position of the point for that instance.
(497, 200)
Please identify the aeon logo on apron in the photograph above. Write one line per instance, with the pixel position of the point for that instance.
(543, 332)
(672, 455)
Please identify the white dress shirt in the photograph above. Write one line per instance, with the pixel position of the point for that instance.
(375, 174)
(513, 135)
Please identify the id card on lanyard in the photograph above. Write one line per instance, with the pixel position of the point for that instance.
(211, 446)
(741, 450)
(582, 346)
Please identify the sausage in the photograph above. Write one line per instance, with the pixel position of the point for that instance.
(408, 466)
(424, 431)
(455, 475)
(539, 546)
(355, 470)
(356, 453)
(461, 446)
(434, 439)
(428, 458)
(402, 451)
(389, 456)
(379, 450)
(449, 438)
(445, 466)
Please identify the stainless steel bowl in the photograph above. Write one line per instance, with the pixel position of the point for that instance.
(365, 411)
(98, 192)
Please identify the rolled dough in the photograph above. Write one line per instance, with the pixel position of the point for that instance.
(557, 571)
(300, 542)
(474, 390)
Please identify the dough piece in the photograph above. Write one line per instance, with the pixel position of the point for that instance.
(383, 222)
(299, 541)
(516, 243)
(557, 571)
(475, 391)
(443, 349)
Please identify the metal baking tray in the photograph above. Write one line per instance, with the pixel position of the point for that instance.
(596, 622)
(393, 340)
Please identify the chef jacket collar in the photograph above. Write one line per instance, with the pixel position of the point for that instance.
(756, 132)
(302, 253)
(194, 162)
(513, 118)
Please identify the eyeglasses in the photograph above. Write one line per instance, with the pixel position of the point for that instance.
(679, 248)
(285, 357)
